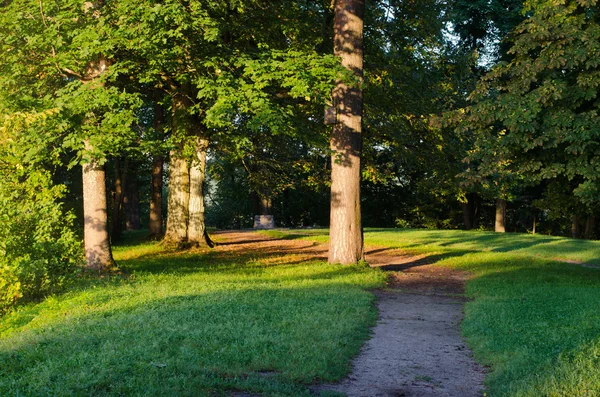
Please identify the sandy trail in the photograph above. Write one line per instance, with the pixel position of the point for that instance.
(416, 349)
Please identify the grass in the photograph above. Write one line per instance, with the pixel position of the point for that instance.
(196, 323)
(534, 320)
(206, 323)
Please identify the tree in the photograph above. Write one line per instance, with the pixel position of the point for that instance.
(539, 111)
(346, 240)
(59, 56)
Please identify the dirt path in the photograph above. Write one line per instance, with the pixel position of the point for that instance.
(416, 349)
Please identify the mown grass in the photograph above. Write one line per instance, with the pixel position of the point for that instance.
(198, 323)
(535, 321)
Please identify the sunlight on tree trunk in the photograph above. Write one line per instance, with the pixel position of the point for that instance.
(500, 216)
(98, 254)
(178, 200)
(196, 227)
(346, 240)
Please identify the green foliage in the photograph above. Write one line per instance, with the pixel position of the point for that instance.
(537, 114)
(39, 253)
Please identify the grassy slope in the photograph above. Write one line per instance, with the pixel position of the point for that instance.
(534, 320)
(191, 324)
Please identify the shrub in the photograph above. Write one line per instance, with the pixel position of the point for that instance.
(39, 252)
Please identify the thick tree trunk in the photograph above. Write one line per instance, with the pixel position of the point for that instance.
(156, 187)
(346, 240)
(196, 227)
(178, 200)
(117, 200)
(265, 205)
(98, 255)
(500, 216)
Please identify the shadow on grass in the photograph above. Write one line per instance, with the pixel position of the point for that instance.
(534, 245)
(417, 261)
(194, 344)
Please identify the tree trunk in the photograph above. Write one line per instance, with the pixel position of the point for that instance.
(346, 240)
(265, 205)
(500, 216)
(196, 227)
(155, 224)
(575, 228)
(179, 176)
(131, 204)
(467, 219)
(117, 200)
(590, 227)
(178, 200)
(534, 222)
(98, 255)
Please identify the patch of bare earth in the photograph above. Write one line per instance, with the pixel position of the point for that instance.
(416, 349)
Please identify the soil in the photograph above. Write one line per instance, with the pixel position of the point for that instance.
(416, 349)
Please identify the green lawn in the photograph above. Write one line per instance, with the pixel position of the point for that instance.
(191, 324)
(534, 320)
(213, 322)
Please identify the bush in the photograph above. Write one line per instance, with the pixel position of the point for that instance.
(39, 252)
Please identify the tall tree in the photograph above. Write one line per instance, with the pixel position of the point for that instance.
(539, 112)
(346, 238)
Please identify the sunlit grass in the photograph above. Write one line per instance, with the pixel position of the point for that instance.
(533, 319)
(190, 324)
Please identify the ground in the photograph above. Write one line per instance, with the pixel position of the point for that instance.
(416, 348)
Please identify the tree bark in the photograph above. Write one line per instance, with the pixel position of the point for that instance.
(196, 227)
(346, 240)
(131, 204)
(467, 218)
(179, 177)
(117, 200)
(98, 255)
(155, 224)
(575, 227)
(178, 198)
(500, 216)
(590, 227)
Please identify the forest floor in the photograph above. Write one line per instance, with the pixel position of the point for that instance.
(416, 348)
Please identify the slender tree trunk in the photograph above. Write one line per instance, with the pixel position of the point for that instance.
(534, 222)
(467, 220)
(155, 224)
(590, 227)
(131, 204)
(98, 255)
(575, 227)
(500, 216)
(346, 240)
(196, 227)
(117, 201)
